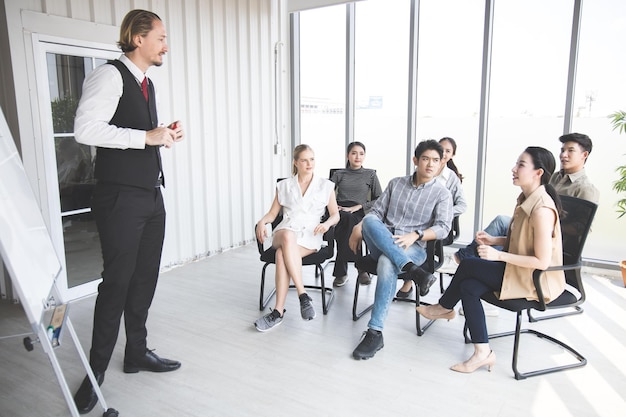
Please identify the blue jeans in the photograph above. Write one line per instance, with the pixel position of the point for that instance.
(498, 227)
(391, 258)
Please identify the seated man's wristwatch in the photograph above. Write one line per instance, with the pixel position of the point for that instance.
(420, 235)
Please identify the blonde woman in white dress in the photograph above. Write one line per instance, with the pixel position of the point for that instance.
(303, 199)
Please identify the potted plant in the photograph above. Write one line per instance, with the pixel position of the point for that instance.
(618, 120)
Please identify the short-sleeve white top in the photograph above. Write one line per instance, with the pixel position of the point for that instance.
(302, 213)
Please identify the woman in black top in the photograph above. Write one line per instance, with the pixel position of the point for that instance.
(357, 188)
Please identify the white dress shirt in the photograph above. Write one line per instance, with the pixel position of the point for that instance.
(102, 90)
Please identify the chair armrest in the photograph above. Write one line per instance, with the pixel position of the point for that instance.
(537, 279)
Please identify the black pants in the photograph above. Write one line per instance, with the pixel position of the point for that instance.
(473, 278)
(343, 229)
(131, 224)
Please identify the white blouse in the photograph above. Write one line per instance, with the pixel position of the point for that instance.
(302, 213)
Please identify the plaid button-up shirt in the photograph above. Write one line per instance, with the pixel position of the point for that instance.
(405, 208)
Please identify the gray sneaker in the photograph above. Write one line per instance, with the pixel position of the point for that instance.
(340, 281)
(269, 321)
(306, 308)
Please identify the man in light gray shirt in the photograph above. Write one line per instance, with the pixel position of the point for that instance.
(411, 211)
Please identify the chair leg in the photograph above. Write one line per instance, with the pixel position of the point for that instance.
(534, 319)
(357, 315)
(328, 294)
(581, 361)
(264, 301)
(418, 327)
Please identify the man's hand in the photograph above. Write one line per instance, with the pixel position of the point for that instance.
(404, 241)
(177, 127)
(165, 136)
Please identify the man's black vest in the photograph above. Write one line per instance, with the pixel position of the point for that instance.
(136, 167)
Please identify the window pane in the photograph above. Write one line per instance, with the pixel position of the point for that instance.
(75, 164)
(600, 91)
(322, 83)
(381, 90)
(528, 89)
(448, 86)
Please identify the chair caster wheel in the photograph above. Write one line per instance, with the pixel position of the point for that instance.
(28, 344)
(111, 412)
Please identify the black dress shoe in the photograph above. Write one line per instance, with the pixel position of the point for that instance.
(149, 362)
(421, 278)
(86, 398)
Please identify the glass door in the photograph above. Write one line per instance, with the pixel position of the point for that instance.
(69, 165)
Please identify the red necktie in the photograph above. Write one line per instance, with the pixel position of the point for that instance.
(144, 87)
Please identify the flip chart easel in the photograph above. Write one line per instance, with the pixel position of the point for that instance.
(31, 260)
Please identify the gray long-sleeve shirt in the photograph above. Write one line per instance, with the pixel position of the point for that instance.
(405, 208)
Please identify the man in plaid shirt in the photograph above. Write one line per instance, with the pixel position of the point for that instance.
(411, 211)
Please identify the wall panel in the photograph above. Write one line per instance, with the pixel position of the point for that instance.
(218, 78)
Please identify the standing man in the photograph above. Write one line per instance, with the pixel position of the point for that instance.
(411, 211)
(117, 114)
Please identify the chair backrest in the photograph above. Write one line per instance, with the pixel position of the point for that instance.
(455, 231)
(576, 220)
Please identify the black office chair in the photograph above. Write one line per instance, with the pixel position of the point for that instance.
(434, 259)
(455, 231)
(575, 224)
(316, 259)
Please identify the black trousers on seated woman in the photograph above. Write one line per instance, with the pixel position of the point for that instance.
(343, 229)
(473, 278)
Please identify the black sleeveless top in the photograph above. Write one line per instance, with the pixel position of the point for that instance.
(135, 167)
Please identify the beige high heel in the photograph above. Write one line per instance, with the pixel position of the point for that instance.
(427, 312)
(463, 367)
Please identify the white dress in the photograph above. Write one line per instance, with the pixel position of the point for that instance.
(302, 213)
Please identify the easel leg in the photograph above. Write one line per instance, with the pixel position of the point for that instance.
(47, 347)
(94, 383)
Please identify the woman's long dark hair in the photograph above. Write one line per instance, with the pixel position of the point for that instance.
(544, 159)
(352, 145)
(450, 164)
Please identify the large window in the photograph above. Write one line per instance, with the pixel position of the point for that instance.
(323, 85)
(527, 101)
(601, 90)
(448, 87)
(528, 90)
(381, 84)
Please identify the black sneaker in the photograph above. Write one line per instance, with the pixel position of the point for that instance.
(422, 279)
(371, 342)
(306, 308)
(269, 321)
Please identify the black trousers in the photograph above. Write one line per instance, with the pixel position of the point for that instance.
(131, 224)
(343, 229)
(473, 278)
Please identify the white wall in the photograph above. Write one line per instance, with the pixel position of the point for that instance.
(218, 78)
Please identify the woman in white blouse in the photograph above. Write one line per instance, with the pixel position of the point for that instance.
(303, 199)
